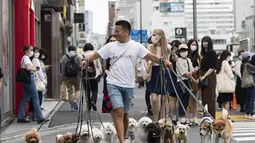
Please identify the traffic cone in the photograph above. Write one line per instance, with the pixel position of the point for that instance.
(234, 104)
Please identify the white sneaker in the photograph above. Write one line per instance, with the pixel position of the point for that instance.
(182, 120)
(252, 117)
(247, 116)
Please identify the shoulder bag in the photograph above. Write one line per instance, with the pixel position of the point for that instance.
(23, 75)
(247, 78)
(40, 85)
(224, 83)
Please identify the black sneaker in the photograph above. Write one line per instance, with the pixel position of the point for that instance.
(94, 106)
(22, 121)
(149, 113)
(42, 121)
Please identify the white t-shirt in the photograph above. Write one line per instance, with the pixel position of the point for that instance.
(123, 71)
(25, 60)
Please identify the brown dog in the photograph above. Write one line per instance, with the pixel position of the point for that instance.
(32, 136)
(222, 128)
(67, 138)
(168, 130)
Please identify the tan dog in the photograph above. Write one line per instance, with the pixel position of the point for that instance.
(181, 133)
(168, 130)
(222, 128)
(67, 138)
(33, 136)
(205, 130)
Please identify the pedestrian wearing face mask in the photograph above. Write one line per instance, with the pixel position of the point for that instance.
(42, 58)
(195, 59)
(225, 81)
(39, 76)
(207, 75)
(185, 71)
(161, 48)
(29, 89)
(240, 92)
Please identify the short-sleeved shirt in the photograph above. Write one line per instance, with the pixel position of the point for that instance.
(1, 73)
(183, 66)
(209, 61)
(26, 60)
(123, 70)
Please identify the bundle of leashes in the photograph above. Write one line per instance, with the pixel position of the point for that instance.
(164, 89)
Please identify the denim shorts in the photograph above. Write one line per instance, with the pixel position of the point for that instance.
(120, 97)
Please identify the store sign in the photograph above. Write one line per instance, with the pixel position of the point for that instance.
(172, 7)
(180, 32)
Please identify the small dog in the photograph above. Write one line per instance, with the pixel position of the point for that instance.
(206, 130)
(181, 133)
(97, 136)
(222, 128)
(109, 132)
(142, 128)
(131, 129)
(85, 136)
(67, 138)
(154, 132)
(33, 136)
(168, 130)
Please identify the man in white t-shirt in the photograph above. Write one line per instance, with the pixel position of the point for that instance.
(123, 55)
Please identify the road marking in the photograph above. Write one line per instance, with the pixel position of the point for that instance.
(244, 131)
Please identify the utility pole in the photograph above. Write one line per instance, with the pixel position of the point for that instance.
(141, 20)
(195, 19)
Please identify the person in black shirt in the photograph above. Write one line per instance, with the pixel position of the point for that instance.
(208, 66)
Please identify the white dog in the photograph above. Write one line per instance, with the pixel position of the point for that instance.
(85, 136)
(142, 128)
(98, 137)
(131, 130)
(109, 132)
(181, 133)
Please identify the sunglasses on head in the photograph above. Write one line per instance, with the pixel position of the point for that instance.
(112, 40)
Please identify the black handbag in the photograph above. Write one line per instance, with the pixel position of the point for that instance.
(23, 76)
(202, 83)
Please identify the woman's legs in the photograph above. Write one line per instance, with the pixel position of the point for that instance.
(155, 106)
(23, 103)
(148, 102)
(164, 106)
(173, 106)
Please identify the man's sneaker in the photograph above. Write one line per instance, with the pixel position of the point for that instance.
(43, 121)
(247, 116)
(22, 121)
(76, 106)
(252, 117)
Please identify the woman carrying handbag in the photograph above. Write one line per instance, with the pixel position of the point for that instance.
(225, 81)
(29, 88)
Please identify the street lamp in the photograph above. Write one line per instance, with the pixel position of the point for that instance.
(141, 24)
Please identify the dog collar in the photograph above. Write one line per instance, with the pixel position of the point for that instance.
(131, 135)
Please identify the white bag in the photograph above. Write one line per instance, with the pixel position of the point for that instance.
(40, 85)
(225, 84)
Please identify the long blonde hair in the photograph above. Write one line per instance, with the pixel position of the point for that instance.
(163, 44)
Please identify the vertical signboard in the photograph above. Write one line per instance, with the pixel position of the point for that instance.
(86, 19)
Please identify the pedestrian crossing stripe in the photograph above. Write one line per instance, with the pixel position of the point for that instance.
(243, 131)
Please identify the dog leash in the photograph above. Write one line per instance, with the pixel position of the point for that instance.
(78, 76)
(190, 92)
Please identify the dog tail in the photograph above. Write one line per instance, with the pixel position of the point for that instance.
(205, 110)
(224, 114)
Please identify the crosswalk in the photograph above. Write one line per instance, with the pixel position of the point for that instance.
(244, 132)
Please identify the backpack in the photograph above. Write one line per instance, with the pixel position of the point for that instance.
(72, 68)
(90, 70)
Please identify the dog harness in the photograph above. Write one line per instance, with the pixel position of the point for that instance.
(207, 119)
(131, 135)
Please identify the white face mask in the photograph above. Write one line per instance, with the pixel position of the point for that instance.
(228, 58)
(43, 57)
(155, 39)
(31, 53)
(184, 54)
(193, 48)
(37, 55)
